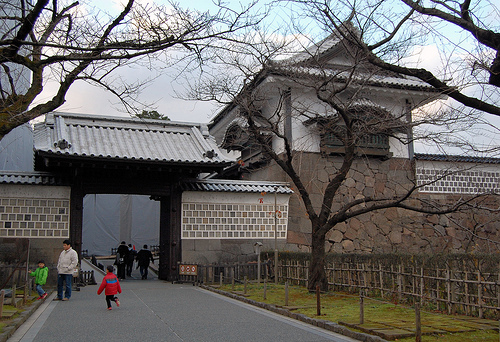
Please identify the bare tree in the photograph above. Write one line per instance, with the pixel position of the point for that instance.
(465, 32)
(333, 91)
(66, 41)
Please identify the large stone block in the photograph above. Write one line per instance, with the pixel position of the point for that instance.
(335, 235)
(371, 229)
(351, 233)
(395, 237)
(348, 246)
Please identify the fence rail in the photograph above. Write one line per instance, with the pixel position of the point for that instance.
(457, 287)
(227, 273)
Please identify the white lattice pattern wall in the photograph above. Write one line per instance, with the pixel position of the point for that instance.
(440, 177)
(233, 216)
(34, 211)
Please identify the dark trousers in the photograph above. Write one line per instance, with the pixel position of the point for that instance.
(109, 299)
(144, 271)
(121, 271)
(130, 266)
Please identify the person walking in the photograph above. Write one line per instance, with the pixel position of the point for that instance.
(40, 275)
(121, 259)
(143, 257)
(111, 287)
(130, 259)
(68, 259)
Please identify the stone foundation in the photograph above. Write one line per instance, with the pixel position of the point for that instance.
(390, 230)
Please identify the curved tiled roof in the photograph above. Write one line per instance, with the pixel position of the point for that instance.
(222, 185)
(29, 178)
(462, 159)
(124, 138)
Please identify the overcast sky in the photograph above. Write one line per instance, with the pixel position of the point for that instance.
(84, 98)
(87, 99)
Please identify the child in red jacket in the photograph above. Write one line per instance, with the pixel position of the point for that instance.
(112, 286)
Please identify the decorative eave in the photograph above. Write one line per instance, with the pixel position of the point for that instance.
(221, 185)
(31, 178)
(455, 158)
(98, 140)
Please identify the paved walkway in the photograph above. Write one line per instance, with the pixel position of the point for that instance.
(154, 310)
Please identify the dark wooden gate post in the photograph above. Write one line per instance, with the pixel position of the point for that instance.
(170, 235)
(76, 216)
(164, 267)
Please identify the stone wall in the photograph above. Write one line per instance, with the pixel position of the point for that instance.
(389, 230)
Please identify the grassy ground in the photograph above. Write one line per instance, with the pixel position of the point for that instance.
(11, 312)
(5, 321)
(342, 307)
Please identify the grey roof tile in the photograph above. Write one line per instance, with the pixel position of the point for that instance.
(223, 185)
(455, 158)
(92, 136)
(31, 178)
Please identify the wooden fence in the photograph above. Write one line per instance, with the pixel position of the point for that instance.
(466, 286)
(211, 274)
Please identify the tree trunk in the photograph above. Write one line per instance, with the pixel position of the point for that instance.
(317, 272)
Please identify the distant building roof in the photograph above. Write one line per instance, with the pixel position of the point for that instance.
(222, 185)
(461, 159)
(128, 139)
(29, 178)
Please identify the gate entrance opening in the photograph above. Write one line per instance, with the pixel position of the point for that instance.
(117, 155)
(109, 219)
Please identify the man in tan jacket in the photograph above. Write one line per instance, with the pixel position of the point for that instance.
(68, 259)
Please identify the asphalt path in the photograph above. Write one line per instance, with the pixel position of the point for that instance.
(154, 310)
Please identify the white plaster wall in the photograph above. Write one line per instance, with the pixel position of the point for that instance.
(398, 149)
(232, 198)
(305, 100)
(35, 191)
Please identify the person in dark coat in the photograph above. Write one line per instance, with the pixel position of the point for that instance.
(130, 259)
(143, 257)
(121, 259)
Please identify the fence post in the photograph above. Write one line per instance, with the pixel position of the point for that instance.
(479, 294)
(400, 284)
(307, 276)
(286, 293)
(13, 297)
(25, 292)
(232, 283)
(381, 276)
(265, 288)
(267, 270)
(220, 279)
(258, 268)
(438, 295)
(497, 288)
(422, 280)
(448, 290)
(245, 287)
(318, 301)
(418, 327)
(466, 287)
(2, 297)
(361, 308)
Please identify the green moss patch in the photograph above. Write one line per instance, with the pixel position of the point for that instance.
(388, 320)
